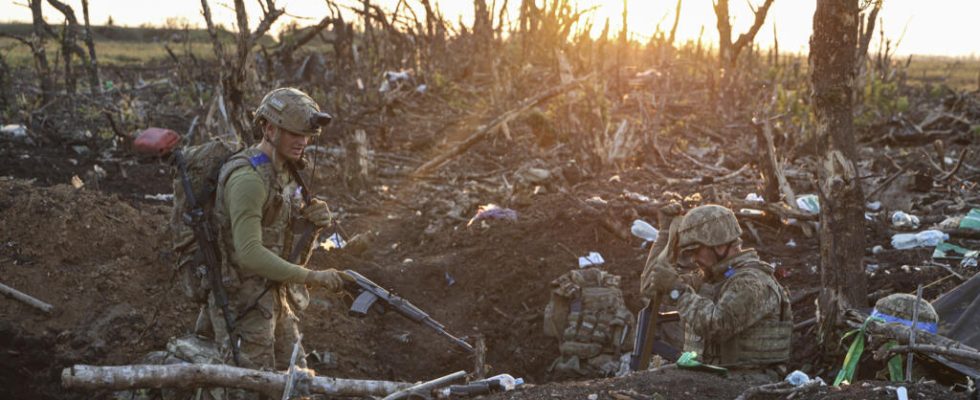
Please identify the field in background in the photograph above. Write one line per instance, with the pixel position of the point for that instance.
(124, 45)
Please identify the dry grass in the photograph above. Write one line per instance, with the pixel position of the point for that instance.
(110, 52)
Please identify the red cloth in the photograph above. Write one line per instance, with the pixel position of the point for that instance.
(157, 141)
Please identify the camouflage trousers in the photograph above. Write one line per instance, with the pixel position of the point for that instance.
(266, 330)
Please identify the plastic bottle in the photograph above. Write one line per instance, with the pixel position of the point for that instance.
(643, 230)
(507, 382)
(929, 238)
(797, 378)
(900, 219)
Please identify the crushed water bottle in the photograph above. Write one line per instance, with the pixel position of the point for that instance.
(900, 219)
(929, 238)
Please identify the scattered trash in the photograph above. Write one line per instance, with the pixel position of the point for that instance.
(156, 141)
(449, 279)
(754, 198)
(593, 396)
(873, 206)
(493, 211)
(498, 383)
(645, 231)
(76, 182)
(799, 378)
(15, 133)
(809, 203)
(534, 175)
(791, 243)
(871, 268)
(636, 196)
(159, 197)
(972, 220)
(408, 261)
(869, 216)
(331, 242)
(967, 257)
(81, 150)
(751, 212)
(421, 89)
(596, 201)
(877, 249)
(928, 238)
(901, 219)
(392, 78)
(593, 259)
(901, 393)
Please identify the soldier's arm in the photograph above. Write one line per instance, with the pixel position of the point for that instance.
(744, 303)
(245, 195)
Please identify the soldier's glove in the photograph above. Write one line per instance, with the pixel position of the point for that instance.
(331, 279)
(318, 213)
(692, 279)
(664, 279)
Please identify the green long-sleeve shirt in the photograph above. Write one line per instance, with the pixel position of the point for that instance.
(245, 194)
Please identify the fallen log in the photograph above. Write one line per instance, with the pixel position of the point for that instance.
(25, 298)
(484, 130)
(189, 376)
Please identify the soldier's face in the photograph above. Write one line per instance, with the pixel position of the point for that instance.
(291, 145)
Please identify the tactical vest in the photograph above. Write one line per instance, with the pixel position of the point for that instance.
(283, 202)
(589, 318)
(765, 342)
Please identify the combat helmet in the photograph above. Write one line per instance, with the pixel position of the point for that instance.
(708, 225)
(292, 110)
(899, 307)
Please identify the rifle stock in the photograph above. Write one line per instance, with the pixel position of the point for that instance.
(200, 223)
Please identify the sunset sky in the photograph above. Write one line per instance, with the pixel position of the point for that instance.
(936, 27)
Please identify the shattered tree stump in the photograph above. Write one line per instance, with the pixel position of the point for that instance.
(189, 376)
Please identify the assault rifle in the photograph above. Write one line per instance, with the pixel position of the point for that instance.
(368, 293)
(200, 222)
(647, 342)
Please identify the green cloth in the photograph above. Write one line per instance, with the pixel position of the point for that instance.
(245, 194)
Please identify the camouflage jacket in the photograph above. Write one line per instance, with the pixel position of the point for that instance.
(748, 319)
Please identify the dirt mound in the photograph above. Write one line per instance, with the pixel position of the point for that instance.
(101, 263)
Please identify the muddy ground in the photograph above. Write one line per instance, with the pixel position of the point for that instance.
(101, 255)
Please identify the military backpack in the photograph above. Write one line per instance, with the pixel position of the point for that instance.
(203, 163)
(588, 316)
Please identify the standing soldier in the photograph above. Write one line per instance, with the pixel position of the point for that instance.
(747, 320)
(257, 205)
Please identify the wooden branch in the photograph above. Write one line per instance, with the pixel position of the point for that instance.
(747, 37)
(188, 376)
(779, 388)
(484, 130)
(25, 298)
(884, 354)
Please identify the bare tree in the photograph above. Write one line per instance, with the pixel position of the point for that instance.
(233, 69)
(673, 29)
(832, 66)
(41, 65)
(728, 51)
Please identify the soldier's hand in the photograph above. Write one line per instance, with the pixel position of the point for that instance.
(331, 279)
(692, 279)
(318, 213)
(663, 279)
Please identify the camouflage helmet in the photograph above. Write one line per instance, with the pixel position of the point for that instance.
(708, 225)
(901, 305)
(292, 110)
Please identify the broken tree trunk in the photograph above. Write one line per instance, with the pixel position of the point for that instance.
(189, 376)
(41, 66)
(25, 298)
(832, 53)
(484, 130)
